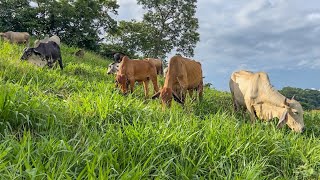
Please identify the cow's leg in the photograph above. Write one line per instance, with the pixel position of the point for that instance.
(190, 93)
(155, 84)
(251, 111)
(60, 63)
(183, 95)
(146, 89)
(200, 91)
(49, 61)
(131, 81)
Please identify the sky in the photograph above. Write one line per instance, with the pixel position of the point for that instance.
(279, 37)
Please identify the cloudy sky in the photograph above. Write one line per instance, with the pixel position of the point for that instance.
(280, 37)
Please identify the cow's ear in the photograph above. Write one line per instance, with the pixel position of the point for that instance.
(283, 120)
(176, 98)
(156, 95)
(286, 102)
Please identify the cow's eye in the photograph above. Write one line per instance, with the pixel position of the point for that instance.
(296, 113)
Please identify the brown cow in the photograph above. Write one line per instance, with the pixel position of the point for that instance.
(136, 70)
(16, 37)
(158, 64)
(183, 75)
(253, 91)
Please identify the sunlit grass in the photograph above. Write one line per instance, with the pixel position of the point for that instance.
(74, 124)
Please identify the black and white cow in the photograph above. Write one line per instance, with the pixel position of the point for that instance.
(49, 52)
(113, 68)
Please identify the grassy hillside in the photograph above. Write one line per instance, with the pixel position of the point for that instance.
(74, 124)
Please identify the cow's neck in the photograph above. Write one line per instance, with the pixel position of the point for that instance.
(273, 97)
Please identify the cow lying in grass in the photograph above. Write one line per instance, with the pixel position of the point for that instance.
(131, 71)
(183, 75)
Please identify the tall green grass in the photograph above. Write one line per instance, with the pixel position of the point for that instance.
(74, 124)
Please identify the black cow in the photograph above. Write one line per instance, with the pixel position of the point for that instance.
(48, 51)
(118, 56)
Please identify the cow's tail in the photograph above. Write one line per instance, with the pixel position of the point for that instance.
(60, 62)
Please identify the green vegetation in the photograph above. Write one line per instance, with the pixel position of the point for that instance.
(166, 25)
(74, 124)
(309, 99)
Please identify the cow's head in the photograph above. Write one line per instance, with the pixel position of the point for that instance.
(27, 52)
(166, 95)
(292, 116)
(122, 80)
(113, 68)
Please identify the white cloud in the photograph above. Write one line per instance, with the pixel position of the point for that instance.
(313, 17)
(243, 16)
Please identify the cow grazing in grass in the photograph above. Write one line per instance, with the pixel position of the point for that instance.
(16, 37)
(49, 52)
(253, 92)
(53, 38)
(158, 63)
(183, 75)
(131, 71)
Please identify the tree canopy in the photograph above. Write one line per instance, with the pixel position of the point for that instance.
(77, 22)
(167, 25)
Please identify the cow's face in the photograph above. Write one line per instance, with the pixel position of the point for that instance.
(166, 97)
(27, 53)
(122, 81)
(292, 116)
(113, 68)
(295, 116)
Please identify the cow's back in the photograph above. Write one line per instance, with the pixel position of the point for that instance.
(193, 71)
(240, 82)
(50, 49)
(156, 62)
(55, 39)
(17, 37)
(141, 68)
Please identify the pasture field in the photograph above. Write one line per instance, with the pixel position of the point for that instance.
(74, 124)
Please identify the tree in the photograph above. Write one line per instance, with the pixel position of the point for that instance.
(173, 25)
(309, 99)
(15, 15)
(132, 37)
(167, 25)
(77, 22)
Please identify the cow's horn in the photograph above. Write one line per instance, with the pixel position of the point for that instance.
(293, 97)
